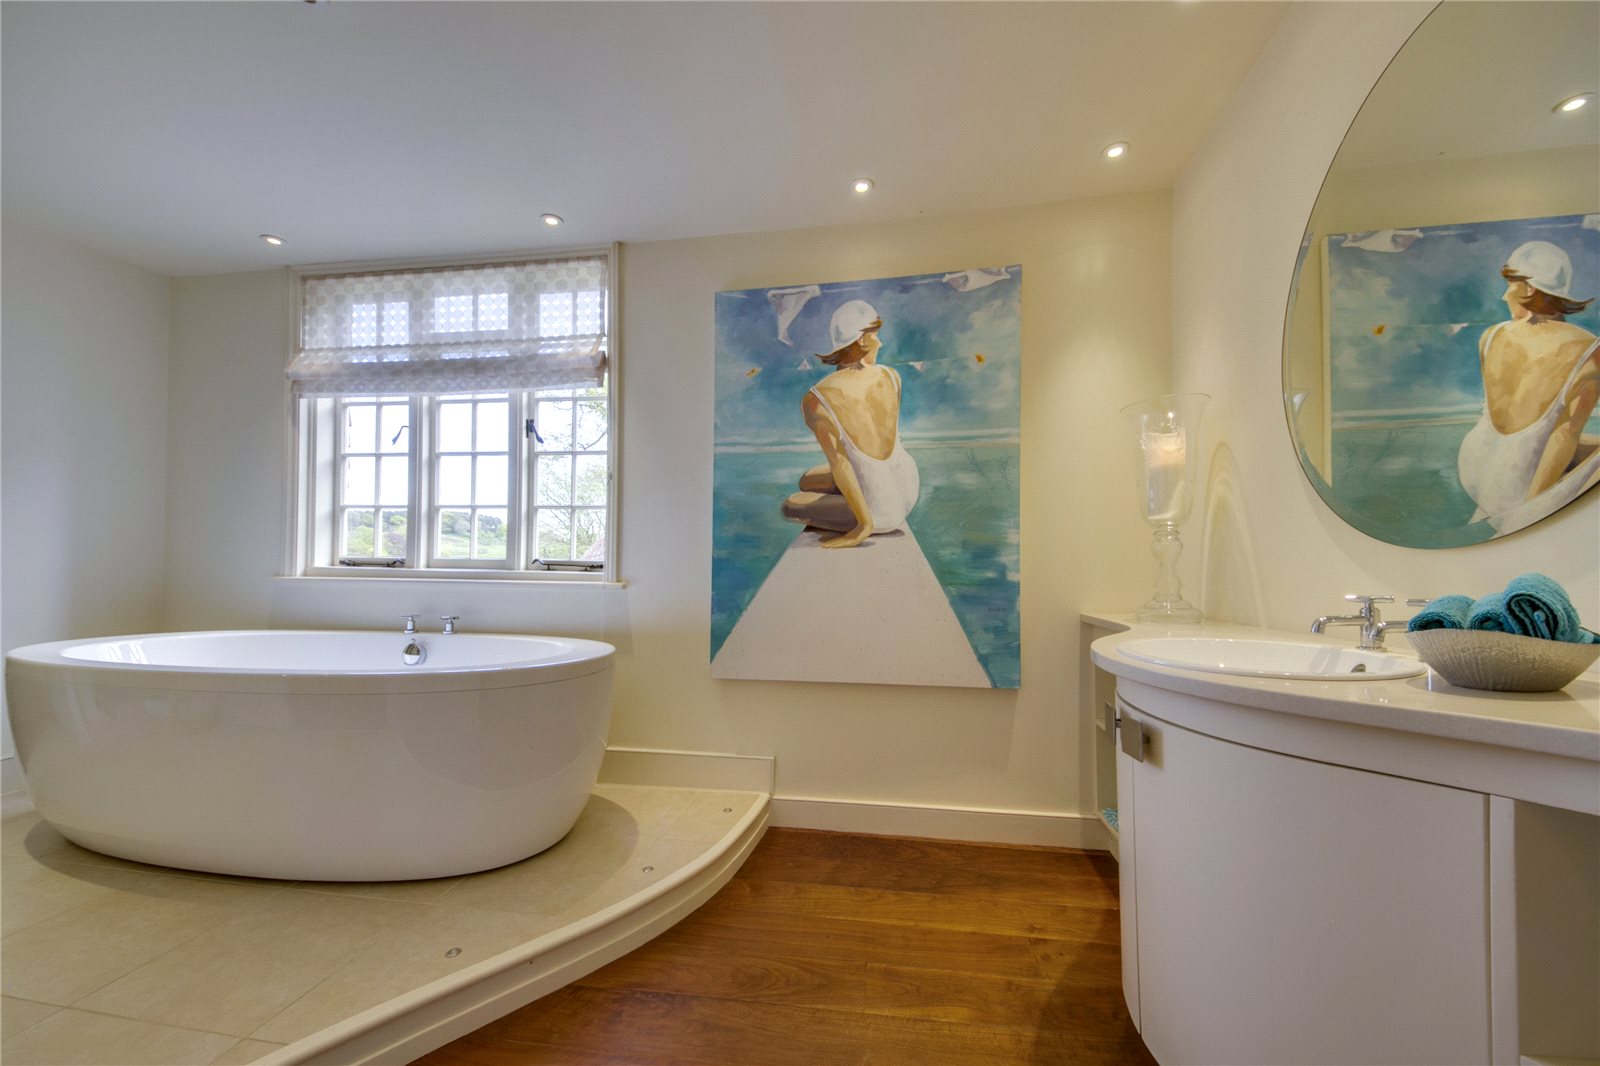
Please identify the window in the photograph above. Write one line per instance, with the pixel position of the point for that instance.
(456, 421)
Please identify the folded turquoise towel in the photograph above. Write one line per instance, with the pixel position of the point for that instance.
(1446, 612)
(1539, 607)
(1490, 613)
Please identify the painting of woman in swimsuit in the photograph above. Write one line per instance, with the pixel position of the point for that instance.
(867, 480)
(1462, 376)
(869, 483)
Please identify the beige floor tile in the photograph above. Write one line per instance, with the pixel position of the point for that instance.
(244, 1052)
(236, 975)
(17, 1014)
(31, 893)
(404, 961)
(399, 891)
(599, 846)
(75, 1036)
(64, 958)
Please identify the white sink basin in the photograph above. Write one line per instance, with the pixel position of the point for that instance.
(1271, 658)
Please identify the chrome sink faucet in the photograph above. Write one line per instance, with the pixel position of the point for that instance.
(411, 624)
(449, 621)
(1372, 627)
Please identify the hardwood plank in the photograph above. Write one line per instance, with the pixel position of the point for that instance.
(974, 879)
(1051, 921)
(729, 930)
(869, 988)
(669, 1029)
(1003, 860)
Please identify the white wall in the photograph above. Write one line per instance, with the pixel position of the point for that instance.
(1279, 555)
(83, 442)
(1095, 335)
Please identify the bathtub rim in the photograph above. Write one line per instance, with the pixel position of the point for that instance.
(45, 662)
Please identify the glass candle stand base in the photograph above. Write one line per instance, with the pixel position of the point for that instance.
(1167, 604)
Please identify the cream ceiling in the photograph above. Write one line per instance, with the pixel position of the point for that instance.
(172, 134)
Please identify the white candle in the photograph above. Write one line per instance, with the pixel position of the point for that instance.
(1165, 460)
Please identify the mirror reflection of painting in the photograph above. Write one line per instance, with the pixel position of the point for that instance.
(866, 490)
(1463, 371)
(1528, 454)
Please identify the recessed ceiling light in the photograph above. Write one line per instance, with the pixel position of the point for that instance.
(862, 185)
(272, 239)
(1573, 103)
(1113, 151)
(551, 220)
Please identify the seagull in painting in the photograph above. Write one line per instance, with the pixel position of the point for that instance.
(967, 280)
(788, 303)
(1383, 240)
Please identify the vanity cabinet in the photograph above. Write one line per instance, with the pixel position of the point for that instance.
(1282, 910)
(1322, 874)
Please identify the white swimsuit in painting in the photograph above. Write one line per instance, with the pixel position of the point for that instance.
(1496, 468)
(890, 485)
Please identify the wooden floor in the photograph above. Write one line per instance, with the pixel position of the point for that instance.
(838, 948)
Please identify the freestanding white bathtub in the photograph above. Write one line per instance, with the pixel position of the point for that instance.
(312, 755)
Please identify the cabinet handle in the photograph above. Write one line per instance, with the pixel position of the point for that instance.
(1134, 738)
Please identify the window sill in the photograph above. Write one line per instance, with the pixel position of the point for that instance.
(348, 575)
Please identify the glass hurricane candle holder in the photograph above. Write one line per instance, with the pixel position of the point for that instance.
(1167, 430)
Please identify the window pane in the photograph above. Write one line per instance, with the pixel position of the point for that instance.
(492, 426)
(491, 487)
(555, 424)
(592, 425)
(392, 432)
(554, 480)
(494, 311)
(555, 314)
(394, 534)
(589, 529)
(588, 311)
(590, 487)
(455, 534)
(360, 428)
(394, 480)
(455, 427)
(455, 480)
(491, 535)
(452, 314)
(363, 325)
(554, 535)
(360, 480)
(357, 535)
(396, 322)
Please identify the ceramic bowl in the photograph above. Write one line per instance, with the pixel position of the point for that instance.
(1501, 662)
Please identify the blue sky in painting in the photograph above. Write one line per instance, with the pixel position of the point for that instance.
(1407, 307)
(760, 380)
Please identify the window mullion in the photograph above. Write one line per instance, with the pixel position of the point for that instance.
(517, 488)
(417, 509)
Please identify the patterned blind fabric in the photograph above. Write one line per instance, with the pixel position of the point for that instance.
(539, 324)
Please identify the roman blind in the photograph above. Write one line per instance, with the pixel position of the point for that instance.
(523, 325)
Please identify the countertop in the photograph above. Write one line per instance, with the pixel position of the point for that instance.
(1564, 723)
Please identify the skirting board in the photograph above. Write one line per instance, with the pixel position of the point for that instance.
(1040, 828)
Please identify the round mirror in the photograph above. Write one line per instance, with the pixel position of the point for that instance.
(1440, 358)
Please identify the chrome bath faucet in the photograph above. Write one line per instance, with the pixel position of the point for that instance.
(1372, 627)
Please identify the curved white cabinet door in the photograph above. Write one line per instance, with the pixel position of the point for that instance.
(1289, 911)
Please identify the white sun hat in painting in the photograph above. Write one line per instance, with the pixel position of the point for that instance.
(850, 321)
(1547, 267)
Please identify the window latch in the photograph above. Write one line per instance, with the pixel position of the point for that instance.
(530, 430)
